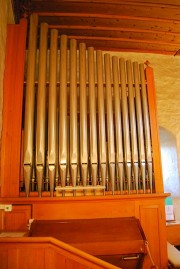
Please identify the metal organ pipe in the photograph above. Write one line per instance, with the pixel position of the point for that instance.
(86, 129)
(73, 113)
(29, 104)
(133, 129)
(110, 121)
(92, 116)
(118, 124)
(52, 110)
(101, 117)
(146, 125)
(125, 120)
(140, 128)
(63, 111)
(83, 113)
(41, 108)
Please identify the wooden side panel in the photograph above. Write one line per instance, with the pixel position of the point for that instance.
(1, 219)
(13, 258)
(74, 265)
(154, 130)
(50, 260)
(12, 109)
(173, 234)
(31, 257)
(4, 259)
(45, 254)
(55, 260)
(17, 219)
(152, 223)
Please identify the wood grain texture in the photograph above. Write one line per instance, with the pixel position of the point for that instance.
(142, 24)
(31, 253)
(17, 219)
(154, 130)
(148, 208)
(173, 234)
(12, 111)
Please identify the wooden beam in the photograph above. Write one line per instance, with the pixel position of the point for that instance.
(113, 9)
(12, 109)
(154, 130)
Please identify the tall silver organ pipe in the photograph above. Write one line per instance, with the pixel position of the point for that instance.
(133, 129)
(41, 108)
(118, 124)
(52, 112)
(63, 111)
(101, 118)
(73, 113)
(92, 117)
(126, 127)
(83, 113)
(30, 104)
(86, 120)
(109, 121)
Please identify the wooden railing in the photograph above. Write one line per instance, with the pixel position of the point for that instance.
(45, 253)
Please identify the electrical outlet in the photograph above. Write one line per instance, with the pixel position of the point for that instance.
(7, 208)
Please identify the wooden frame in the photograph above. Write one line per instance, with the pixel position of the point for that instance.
(149, 208)
(12, 109)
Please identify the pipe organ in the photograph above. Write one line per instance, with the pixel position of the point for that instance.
(80, 135)
(86, 119)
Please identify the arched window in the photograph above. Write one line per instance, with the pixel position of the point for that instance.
(169, 162)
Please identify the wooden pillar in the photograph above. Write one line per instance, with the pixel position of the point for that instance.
(12, 109)
(154, 130)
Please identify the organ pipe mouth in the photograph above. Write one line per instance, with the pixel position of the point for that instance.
(86, 127)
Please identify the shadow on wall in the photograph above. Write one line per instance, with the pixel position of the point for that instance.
(169, 162)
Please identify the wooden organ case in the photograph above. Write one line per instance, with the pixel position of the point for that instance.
(80, 136)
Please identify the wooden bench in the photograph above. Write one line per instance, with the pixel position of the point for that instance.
(173, 256)
(119, 241)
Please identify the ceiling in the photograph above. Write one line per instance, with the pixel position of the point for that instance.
(130, 25)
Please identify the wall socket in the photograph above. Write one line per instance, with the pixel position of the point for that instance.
(6, 208)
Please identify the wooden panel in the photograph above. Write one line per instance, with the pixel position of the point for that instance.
(144, 2)
(154, 126)
(122, 34)
(151, 218)
(173, 234)
(63, 21)
(105, 236)
(50, 259)
(17, 219)
(31, 257)
(1, 219)
(148, 208)
(6, 15)
(12, 109)
(44, 253)
(74, 265)
(154, 11)
(75, 258)
(55, 260)
(83, 210)
(13, 256)
(4, 259)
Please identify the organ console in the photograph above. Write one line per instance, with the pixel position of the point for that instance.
(83, 143)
